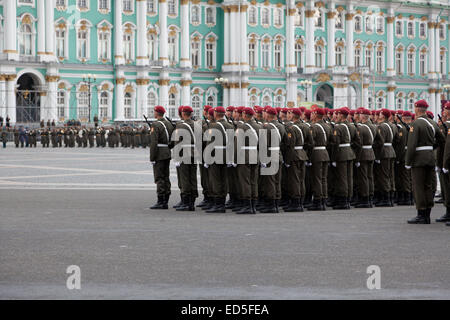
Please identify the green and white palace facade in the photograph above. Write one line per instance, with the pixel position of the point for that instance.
(74, 59)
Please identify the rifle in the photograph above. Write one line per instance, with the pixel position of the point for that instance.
(443, 123)
(171, 121)
(146, 120)
(402, 122)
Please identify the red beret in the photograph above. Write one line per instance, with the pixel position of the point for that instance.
(249, 111)
(377, 112)
(302, 109)
(211, 112)
(266, 108)
(430, 114)
(393, 112)
(240, 109)
(180, 109)
(447, 105)
(271, 110)
(284, 110)
(386, 113)
(206, 108)
(407, 114)
(343, 111)
(160, 109)
(278, 109)
(421, 104)
(400, 112)
(359, 111)
(296, 111)
(352, 112)
(219, 109)
(365, 111)
(320, 111)
(258, 109)
(230, 108)
(187, 109)
(308, 114)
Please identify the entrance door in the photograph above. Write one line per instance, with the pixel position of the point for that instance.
(27, 100)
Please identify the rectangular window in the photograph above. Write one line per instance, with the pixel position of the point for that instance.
(82, 44)
(60, 43)
(210, 55)
(103, 5)
(252, 55)
(380, 61)
(195, 54)
(265, 55)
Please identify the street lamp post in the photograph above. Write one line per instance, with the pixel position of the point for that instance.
(89, 80)
(221, 81)
(306, 84)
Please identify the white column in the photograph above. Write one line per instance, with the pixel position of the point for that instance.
(10, 29)
(437, 57)
(50, 30)
(11, 98)
(118, 35)
(233, 31)
(350, 52)
(432, 99)
(243, 55)
(310, 28)
(141, 97)
(186, 89)
(290, 37)
(185, 60)
(163, 35)
(390, 44)
(365, 97)
(119, 98)
(332, 39)
(142, 44)
(226, 96)
(226, 46)
(51, 105)
(291, 92)
(41, 28)
(448, 52)
(2, 96)
(391, 96)
(432, 48)
(164, 82)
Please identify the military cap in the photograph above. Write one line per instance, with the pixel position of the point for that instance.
(278, 109)
(160, 109)
(320, 111)
(211, 112)
(258, 109)
(249, 111)
(430, 114)
(219, 109)
(352, 112)
(296, 111)
(421, 104)
(407, 114)
(345, 111)
(400, 112)
(230, 108)
(302, 109)
(308, 114)
(187, 109)
(386, 113)
(240, 109)
(206, 108)
(271, 110)
(447, 105)
(284, 110)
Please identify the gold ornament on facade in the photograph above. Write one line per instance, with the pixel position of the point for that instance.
(267, 3)
(331, 15)
(390, 19)
(129, 89)
(83, 88)
(195, 1)
(62, 86)
(424, 18)
(320, 43)
(142, 82)
(49, 78)
(391, 89)
(105, 87)
(120, 80)
(292, 12)
(173, 90)
(26, 19)
(310, 13)
(340, 9)
(299, 41)
(411, 17)
(291, 104)
(185, 83)
(354, 76)
(163, 82)
(359, 11)
(279, 5)
(61, 25)
(319, 4)
(323, 77)
(349, 16)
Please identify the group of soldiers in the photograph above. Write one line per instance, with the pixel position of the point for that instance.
(335, 158)
(80, 136)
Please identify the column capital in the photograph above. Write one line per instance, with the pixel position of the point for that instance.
(50, 78)
(142, 82)
(3, 77)
(291, 12)
(10, 77)
(349, 16)
(331, 15)
(310, 13)
(185, 83)
(391, 88)
(120, 80)
(164, 82)
(390, 20)
(184, 2)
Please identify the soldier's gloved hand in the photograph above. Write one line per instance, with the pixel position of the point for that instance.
(445, 171)
(437, 169)
(308, 164)
(287, 165)
(377, 161)
(408, 167)
(358, 164)
(263, 165)
(177, 164)
(152, 163)
(334, 164)
(206, 166)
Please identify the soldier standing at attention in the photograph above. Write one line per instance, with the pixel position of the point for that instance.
(4, 136)
(402, 181)
(444, 177)
(424, 136)
(204, 169)
(217, 171)
(160, 156)
(321, 133)
(91, 137)
(16, 137)
(187, 171)
(54, 137)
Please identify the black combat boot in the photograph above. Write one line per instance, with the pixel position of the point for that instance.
(341, 203)
(219, 207)
(296, 206)
(371, 201)
(448, 224)
(400, 200)
(271, 207)
(331, 201)
(317, 205)
(159, 204)
(421, 218)
(445, 217)
(384, 200)
(286, 204)
(203, 203)
(211, 202)
(179, 204)
(239, 204)
(260, 204)
(253, 203)
(285, 200)
(364, 202)
(247, 208)
(184, 203)
(392, 198)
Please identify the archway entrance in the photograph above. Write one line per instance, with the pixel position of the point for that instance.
(325, 94)
(28, 100)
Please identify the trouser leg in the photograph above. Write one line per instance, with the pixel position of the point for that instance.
(363, 179)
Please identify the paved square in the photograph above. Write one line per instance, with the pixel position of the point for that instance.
(89, 207)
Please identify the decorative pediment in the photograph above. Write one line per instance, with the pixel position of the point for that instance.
(323, 77)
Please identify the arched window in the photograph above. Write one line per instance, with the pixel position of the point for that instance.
(172, 49)
(265, 19)
(319, 19)
(151, 103)
(339, 56)
(357, 57)
(400, 103)
(104, 45)
(278, 19)
(423, 62)
(398, 28)
(267, 101)
(423, 30)
(172, 7)
(252, 15)
(319, 56)
(195, 54)
(411, 102)
(83, 105)
(358, 24)
(369, 57)
(411, 29)
(104, 105)
(211, 101)
(253, 101)
(380, 102)
(172, 105)
(298, 55)
(278, 51)
(380, 59)
(60, 42)
(152, 42)
(252, 54)
(339, 20)
(380, 25)
(26, 40)
(127, 105)
(211, 54)
(127, 6)
(298, 18)
(411, 62)
(128, 46)
(151, 7)
(369, 24)
(265, 51)
(278, 101)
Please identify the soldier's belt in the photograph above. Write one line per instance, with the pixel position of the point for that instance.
(344, 145)
(274, 148)
(424, 148)
(249, 148)
(320, 148)
(388, 144)
(220, 147)
(298, 148)
(406, 147)
(162, 145)
(188, 145)
(367, 147)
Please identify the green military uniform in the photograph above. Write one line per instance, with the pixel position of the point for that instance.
(160, 156)
(445, 185)
(402, 175)
(16, 137)
(91, 137)
(321, 133)
(4, 136)
(424, 136)
(45, 138)
(208, 201)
